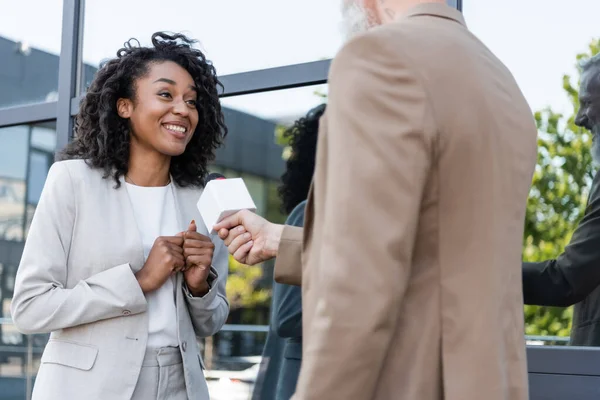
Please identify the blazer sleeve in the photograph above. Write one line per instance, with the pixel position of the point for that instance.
(573, 275)
(288, 264)
(42, 303)
(209, 313)
(379, 150)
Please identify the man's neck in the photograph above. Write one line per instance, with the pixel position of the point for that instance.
(390, 10)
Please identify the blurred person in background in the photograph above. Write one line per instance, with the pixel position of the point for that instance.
(573, 278)
(282, 355)
(115, 266)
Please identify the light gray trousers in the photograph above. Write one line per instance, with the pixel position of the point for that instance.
(161, 377)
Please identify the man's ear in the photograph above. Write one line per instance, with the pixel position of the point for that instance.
(124, 108)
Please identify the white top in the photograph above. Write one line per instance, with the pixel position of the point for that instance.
(156, 215)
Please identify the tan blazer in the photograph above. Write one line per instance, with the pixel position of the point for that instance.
(76, 280)
(412, 243)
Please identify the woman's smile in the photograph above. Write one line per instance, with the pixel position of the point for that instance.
(178, 129)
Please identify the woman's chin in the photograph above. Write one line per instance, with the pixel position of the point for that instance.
(172, 151)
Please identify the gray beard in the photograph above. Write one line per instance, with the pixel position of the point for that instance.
(596, 144)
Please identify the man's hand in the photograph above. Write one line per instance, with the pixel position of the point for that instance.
(250, 238)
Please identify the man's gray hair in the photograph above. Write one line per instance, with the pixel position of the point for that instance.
(590, 62)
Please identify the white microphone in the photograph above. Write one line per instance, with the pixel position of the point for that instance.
(221, 198)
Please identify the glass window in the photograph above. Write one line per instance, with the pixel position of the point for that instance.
(254, 150)
(540, 47)
(26, 154)
(30, 41)
(13, 170)
(255, 122)
(236, 35)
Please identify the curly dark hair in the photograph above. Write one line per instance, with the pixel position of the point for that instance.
(300, 166)
(102, 137)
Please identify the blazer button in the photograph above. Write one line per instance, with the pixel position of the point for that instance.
(126, 312)
(183, 346)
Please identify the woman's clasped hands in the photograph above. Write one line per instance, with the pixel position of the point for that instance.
(189, 251)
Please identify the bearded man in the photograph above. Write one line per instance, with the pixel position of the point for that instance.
(410, 256)
(574, 276)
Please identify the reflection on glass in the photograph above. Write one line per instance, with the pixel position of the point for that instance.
(236, 35)
(29, 48)
(26, 153)
(13, 170)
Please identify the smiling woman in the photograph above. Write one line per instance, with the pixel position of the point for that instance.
(114, 266)
(162, 113)
(132, 100)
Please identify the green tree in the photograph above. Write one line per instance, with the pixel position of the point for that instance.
(558, 196)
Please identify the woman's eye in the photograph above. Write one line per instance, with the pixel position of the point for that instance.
(165, 94)
(192, 102)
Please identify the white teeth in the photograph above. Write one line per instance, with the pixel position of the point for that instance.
(176, 128)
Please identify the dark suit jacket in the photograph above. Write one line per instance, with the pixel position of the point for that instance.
(573, 277)
(265, 387)
(282, 354)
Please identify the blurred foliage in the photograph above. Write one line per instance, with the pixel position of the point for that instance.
(558, 196)
(274, 212)
(242, 291)
(283, 141)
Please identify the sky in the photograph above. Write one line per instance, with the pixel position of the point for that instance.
(536, 39)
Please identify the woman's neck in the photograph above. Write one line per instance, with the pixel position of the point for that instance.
(148, 169)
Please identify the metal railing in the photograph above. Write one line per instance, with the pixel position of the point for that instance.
(548, 339)
(245, 328)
